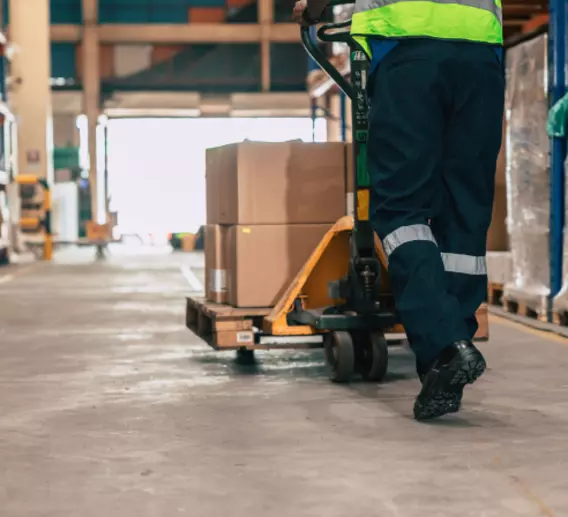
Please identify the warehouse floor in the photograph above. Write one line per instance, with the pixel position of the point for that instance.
(109, 407)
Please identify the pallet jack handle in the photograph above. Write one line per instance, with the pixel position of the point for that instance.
(331, 33)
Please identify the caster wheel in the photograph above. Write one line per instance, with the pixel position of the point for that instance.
(245, 356)
(339, 356)
(373, 356)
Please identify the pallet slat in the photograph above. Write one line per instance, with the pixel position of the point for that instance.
(495, 294)
(523, 309)
(222, 326)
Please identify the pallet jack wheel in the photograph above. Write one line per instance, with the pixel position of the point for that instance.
(245, 356)
(339, 356)
(373, 356)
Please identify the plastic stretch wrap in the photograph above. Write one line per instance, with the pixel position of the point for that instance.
(342, 13)
(499, 267)
(527, 173)
(560, 302)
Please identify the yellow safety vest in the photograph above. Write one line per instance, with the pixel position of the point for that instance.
(466, 20)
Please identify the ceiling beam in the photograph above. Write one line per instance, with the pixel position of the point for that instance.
(265, 10)
(523, 8)
(66, 33)
(180, 34)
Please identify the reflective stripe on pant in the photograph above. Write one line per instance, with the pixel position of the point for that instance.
(435, 132)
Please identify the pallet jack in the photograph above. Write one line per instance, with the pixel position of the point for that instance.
(342, 292)
(355, 327)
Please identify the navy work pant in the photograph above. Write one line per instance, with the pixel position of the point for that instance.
(434, 136)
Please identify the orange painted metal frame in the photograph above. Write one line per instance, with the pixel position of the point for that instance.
(329, 261)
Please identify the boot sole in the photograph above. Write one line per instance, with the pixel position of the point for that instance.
(446, 392)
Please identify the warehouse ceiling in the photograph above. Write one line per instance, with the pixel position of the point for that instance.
(523, 15)
(210, 67)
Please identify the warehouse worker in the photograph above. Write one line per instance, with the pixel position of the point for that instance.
(436, 92)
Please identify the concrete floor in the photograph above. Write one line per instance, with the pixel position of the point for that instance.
(110, 408)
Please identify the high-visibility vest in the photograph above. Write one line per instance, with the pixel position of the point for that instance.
(463, 20)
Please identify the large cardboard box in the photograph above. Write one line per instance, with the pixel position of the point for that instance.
(498, 236)
(98, 232)
(501, 168)
(216, 263)
(349, 179)
(275, 183)
(349, 166)
(264, 259)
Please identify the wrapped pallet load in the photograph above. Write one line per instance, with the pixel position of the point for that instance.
(527, 174)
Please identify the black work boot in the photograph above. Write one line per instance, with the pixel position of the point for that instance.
(442, 387)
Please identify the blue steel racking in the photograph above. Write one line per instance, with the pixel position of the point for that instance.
(557, 45)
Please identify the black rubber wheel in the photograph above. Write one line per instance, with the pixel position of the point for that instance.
(245, 356)
(373, 356)
(339, 356)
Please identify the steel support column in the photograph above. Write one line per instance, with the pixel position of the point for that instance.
(30, 95)
(557, 44)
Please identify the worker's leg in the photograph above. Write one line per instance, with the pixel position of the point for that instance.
(410, 105)
(471, 147)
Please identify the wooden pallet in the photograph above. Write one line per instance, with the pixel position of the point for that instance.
(522, 309)
(221, 326)
(560, 318)
(495, 294)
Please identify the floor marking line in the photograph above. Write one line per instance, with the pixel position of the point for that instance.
(191, 278)
(500, 320)
(524, 488)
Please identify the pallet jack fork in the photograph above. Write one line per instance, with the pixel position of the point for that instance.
(346, 274)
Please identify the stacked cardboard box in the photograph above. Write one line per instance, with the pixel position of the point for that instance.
(268, 206)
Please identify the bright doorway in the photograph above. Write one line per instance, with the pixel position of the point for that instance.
(156, 166)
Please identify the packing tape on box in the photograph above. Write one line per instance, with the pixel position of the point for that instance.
(350, 204)
(218, 280)
(362, 205)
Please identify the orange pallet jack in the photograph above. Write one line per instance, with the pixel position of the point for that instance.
(342, 291)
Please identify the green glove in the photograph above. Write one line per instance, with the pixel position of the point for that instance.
(557, 118)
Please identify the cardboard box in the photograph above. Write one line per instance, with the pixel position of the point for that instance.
(216, 263)
(501, 167)
(349, 179)
(349, 164)
(276, 183)
(264, 259)
(498, 236)
(98, 232)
